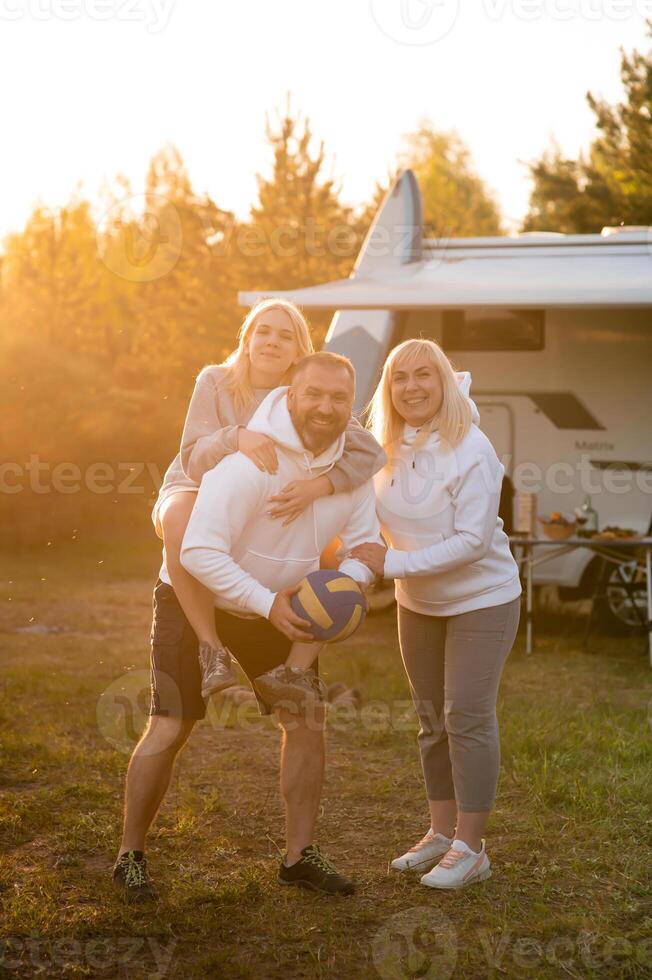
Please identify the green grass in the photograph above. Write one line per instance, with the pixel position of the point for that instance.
(569, 839)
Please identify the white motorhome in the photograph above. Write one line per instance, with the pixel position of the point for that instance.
(556, 331)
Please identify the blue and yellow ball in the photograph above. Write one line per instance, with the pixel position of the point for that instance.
(333, 604)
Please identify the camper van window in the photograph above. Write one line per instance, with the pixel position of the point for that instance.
(493, 329)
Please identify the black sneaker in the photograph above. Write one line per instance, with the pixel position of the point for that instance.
(130, 875)
(315, 871)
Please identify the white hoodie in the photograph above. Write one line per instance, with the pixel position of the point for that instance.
(244, 556)
(438, 506)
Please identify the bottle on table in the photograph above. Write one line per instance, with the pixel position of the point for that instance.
(590, 515)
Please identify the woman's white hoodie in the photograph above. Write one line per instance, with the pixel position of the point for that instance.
(438, 506)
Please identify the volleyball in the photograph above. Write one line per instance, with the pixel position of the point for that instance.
(332, 602)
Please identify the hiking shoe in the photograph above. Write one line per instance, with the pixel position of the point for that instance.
(131, 876)
(290, 684)
(459, 867)
(424, 854)
(216, 669)
(316, 872)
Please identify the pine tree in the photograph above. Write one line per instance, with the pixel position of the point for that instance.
(299, 232)
(612, 183)
(182, 289)
(456, 202)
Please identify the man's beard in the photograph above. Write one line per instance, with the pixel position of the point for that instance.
(317, 440)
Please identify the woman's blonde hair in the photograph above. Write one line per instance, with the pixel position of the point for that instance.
(238, 380)
(455, 414)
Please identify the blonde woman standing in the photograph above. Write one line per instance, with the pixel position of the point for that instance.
(457, 589)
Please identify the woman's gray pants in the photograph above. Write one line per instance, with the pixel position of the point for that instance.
(454, 665)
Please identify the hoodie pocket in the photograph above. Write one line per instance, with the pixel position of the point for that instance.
(411, 541)
(286, 568)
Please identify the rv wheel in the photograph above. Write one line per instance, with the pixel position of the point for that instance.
(616, 615)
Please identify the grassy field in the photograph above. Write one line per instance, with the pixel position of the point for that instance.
(569, 839)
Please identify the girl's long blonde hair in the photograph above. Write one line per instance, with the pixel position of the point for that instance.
(455, 414)
(238, 380)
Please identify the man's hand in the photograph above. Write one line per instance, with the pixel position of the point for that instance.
(296, 496)
(260, 449)
(284, 618)
(372, 555)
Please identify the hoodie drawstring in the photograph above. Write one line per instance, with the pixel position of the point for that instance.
(306, 460)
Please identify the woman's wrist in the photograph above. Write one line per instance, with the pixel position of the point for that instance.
(330, 489)
(323, 485)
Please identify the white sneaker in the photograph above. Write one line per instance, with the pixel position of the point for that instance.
(424, 853)
(460, 866)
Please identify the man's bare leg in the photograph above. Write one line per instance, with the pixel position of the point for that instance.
(302, 777)
(148, 777)
(303, 755)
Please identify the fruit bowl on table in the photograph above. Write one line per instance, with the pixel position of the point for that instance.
(557, 527)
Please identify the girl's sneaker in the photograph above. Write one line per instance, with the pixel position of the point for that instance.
(290, 684)
(459, 867)
(423, 854)
(216, 669)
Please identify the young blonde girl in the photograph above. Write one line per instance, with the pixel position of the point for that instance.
(273, 337)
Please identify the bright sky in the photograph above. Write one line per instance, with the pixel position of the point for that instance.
(93, 88)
